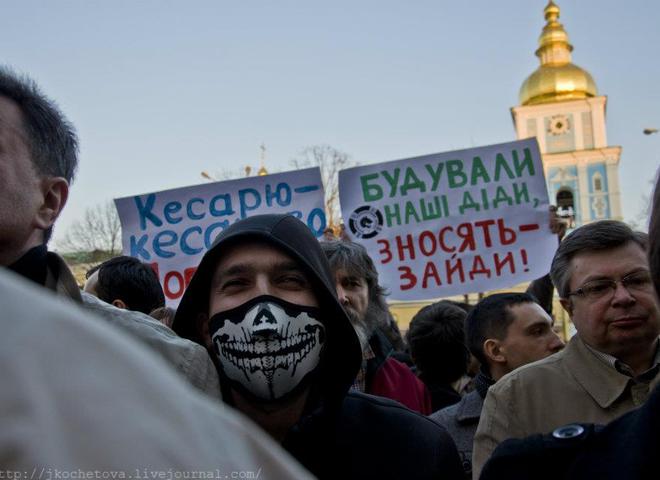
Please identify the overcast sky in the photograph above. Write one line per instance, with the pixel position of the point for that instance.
(162, 90)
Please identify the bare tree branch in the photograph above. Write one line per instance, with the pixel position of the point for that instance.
(330, 161)
(99, 229)
(641, 220)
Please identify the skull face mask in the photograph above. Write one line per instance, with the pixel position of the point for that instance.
(267, 346)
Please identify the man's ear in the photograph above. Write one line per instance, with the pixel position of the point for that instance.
(55, 191)
(493, 351)
(202, 327)
(119, 304)
(568, 305)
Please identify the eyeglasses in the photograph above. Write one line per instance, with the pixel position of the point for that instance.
(635, 282)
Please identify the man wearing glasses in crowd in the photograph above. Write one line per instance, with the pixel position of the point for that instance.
(609, 367)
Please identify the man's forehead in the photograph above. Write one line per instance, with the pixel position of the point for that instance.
(604, 263)
(347, 273)
(528, 313)
(11, 118)
(254, 254)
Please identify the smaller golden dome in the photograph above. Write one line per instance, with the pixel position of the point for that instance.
(557, 78)
(262, 170)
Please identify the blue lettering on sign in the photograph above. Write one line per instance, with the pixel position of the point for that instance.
(137, 247)
(282, 195)
(196, 238)
(144, 210)
(170, 209)
(189, 209)
(210, 235)
(226, 210)
(220, 205)
(163, 239)
(185, 246)
(306, 189)
(192, 241)
(316, 221)
(245, 205)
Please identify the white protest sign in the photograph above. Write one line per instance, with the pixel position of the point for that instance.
(172, 229)
(452, 223)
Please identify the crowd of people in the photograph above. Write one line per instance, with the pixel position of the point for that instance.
(283, 360)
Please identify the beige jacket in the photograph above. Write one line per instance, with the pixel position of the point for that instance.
(570, 386)
(188, 358)
(81, 399)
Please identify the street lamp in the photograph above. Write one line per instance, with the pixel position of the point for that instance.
(649, 131)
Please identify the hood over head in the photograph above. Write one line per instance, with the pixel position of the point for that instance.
(342, 356)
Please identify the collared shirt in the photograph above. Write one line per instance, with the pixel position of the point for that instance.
(360, 382)
(638, 384)
(623, 368)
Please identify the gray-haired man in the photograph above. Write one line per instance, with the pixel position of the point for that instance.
(602, 275)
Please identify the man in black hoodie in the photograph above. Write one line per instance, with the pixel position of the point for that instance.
(263, 302)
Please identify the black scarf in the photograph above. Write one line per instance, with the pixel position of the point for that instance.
(33, 265)
(482, 383)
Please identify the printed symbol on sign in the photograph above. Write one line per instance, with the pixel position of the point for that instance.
(366, 222)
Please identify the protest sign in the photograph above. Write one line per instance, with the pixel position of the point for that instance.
(452, 223)
(172, 229)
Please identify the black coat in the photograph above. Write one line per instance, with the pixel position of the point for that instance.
(342, 434)
(628, 447)
(374, 437)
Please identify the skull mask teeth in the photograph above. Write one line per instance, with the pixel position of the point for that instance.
(270, 348)
(251, 353)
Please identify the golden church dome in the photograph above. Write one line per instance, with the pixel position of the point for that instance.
(557, 78)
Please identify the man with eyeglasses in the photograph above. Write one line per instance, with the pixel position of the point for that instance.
(608, 368)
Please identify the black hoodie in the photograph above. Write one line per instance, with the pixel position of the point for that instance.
(343, 355)
(342, 434)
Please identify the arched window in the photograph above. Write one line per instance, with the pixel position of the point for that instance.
(597, 180)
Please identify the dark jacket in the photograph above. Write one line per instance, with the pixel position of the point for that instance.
(340, 434)
(388, 377)
(442, 395)
(542, 290)
(462, 418)
(626, 448)
(48, 270)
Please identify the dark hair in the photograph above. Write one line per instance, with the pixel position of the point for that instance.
(353, 258)
(654, 238)
(490, 318)
(437, 342)
(131, 281)
(50, 136)
(596, 236)
(466, 307)
(164, 315)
